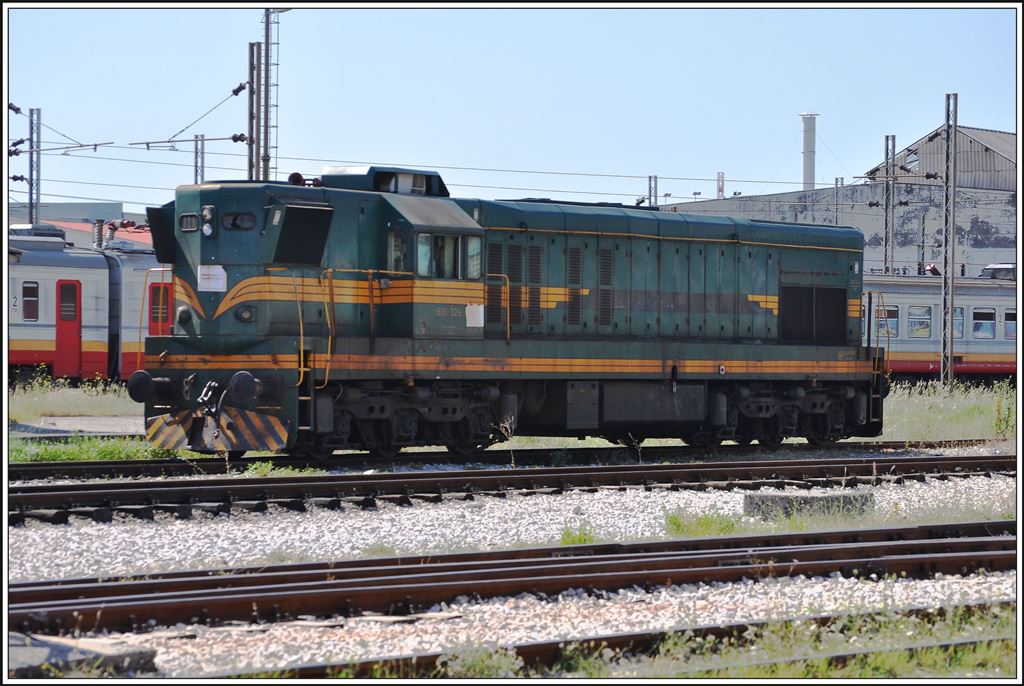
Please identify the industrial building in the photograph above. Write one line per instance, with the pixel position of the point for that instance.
(986, 207)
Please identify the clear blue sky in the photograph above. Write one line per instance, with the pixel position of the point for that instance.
(676, 92)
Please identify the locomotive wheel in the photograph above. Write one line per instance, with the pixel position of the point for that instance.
(377, 438)
(769, 432)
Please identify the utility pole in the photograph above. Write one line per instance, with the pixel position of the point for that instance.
(254, 135)
(721, 185)
(835, 201)
(199, 158)
(949, 241)
(652, 191)
(266, 95)
(35, 137)
(890, 188)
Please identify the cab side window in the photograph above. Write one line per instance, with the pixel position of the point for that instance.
(439, 256)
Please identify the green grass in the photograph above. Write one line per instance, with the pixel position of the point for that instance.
(681, 525)
(581, 535)
(479, 662)
(45, 397)
(932, 412)
(85, 448)
(266, 469)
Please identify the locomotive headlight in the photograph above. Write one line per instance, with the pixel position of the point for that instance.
(207, 213)
(207, 229)
(245, 313)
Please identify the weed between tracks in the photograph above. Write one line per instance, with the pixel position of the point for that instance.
(581, 535)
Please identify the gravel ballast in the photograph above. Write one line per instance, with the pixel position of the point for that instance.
(192, 651)
(84, 549)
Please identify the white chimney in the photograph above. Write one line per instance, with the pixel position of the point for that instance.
(809, 136)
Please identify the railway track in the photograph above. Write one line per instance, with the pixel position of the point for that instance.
(411, 584)
(55, 503)
(27, 471)
(540, 655)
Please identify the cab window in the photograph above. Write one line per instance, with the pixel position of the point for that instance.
(438, 256)
(473, 259)
(396, 252)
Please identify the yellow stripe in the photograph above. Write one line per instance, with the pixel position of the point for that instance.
(434, 363)
(905, 356)
(32, 344)
(350, 291)
(768, 302)
(183, 291)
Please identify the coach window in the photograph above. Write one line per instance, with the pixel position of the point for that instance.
(1010, 325)
(958, 322)
(30, 301)
(919, 321)
(888, 321)
(984, 323)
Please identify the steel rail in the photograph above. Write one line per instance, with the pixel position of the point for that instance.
(546, 654)
(532, 456)
(432, 485)
(60, 588)
(403, 589)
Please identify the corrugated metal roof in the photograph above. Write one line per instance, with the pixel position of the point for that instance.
(1000, 142)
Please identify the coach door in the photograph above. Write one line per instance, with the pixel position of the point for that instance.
(67, 359)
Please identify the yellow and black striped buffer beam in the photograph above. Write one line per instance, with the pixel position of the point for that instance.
(238, 429)
(170, 431)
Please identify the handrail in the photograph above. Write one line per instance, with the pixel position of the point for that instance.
(873, 314)
(329, 306)
(505, 296)
(302, 333)
(142, 308)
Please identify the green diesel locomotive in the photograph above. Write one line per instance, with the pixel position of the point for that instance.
(367, 309)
